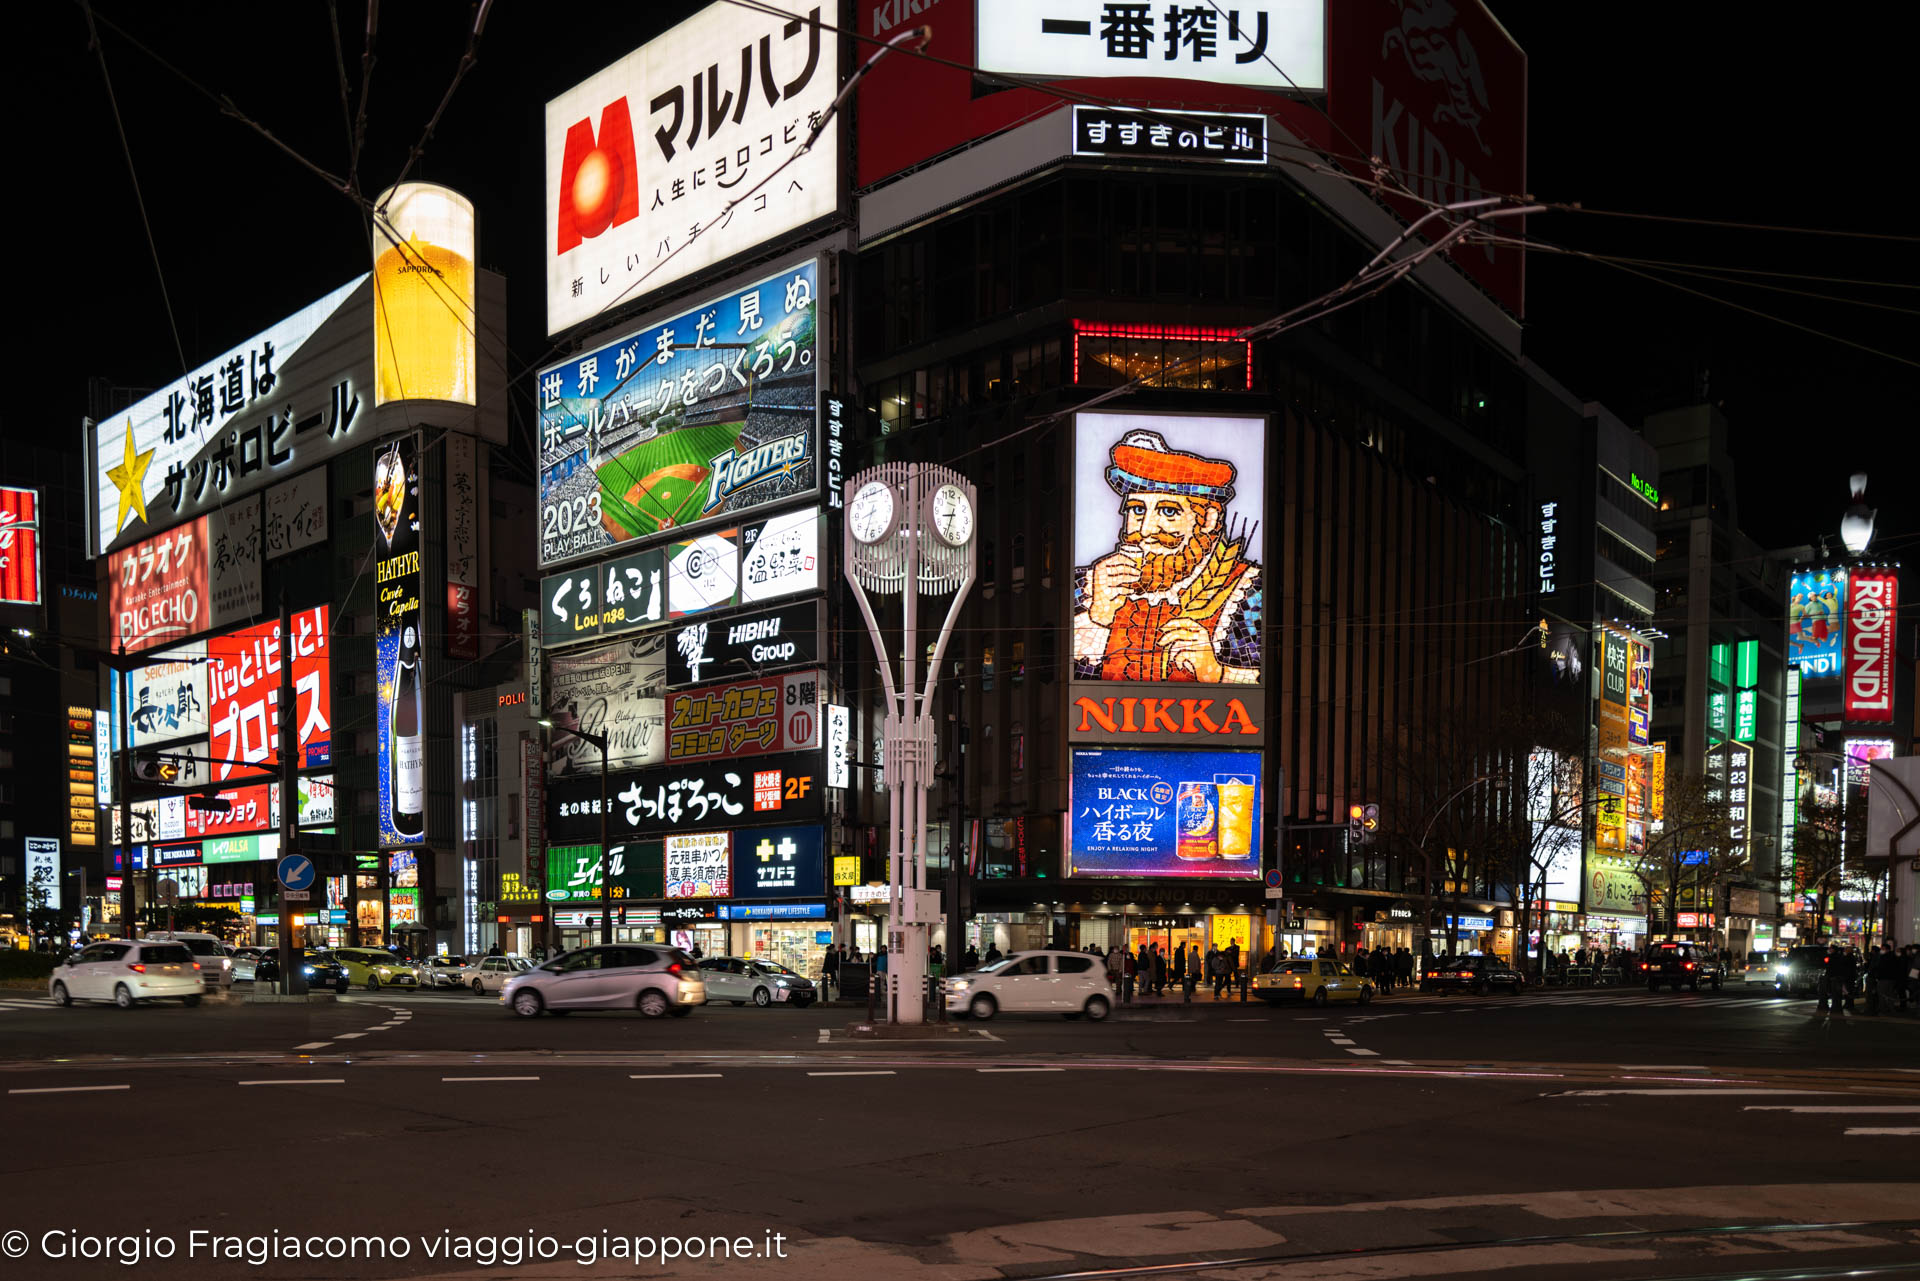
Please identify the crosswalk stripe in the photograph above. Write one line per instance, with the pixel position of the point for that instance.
(1897, 1131)
(1685, 1092)
(1877, 1108)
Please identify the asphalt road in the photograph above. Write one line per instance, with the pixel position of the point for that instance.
(1576, 1135)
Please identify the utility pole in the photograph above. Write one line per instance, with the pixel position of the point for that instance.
(959, 847)
(293, 981)
(126, 795)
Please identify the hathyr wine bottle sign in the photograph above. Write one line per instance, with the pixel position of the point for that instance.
(399, 586)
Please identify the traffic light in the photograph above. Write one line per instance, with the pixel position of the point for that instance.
(151, 767)
(1369, 823)
(1356, 824)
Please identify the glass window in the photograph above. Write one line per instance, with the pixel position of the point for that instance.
(165, 954)
(1031, 965)
(1073, 964)
(585, 959)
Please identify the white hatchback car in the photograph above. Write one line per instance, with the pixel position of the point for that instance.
(126, 972)
(1068, 983)
(490, 973)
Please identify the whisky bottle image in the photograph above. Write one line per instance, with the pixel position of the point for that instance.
(406, 759)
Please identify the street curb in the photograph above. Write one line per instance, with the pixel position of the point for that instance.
(275, 998)
(904, 1031)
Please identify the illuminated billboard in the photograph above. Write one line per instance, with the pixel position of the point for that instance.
(1168, 515)
(617, 690)
(702, 416)
(19, 546)
(1267, 44)
(243, 694)
(199, 575)
(400, 581)
(779, 862)
(424, 333)
(1871, 601)
(661, 165)
(270, 407)
(1813, 621)
(1138, 812)
(746, 718)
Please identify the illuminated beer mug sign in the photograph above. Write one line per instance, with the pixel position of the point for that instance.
(423, 301)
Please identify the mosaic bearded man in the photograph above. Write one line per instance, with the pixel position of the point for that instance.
(1177, 599)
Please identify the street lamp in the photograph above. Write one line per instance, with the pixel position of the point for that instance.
(606, 863)
(1426, 856)
(1856, 527)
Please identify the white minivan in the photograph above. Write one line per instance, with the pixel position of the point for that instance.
(216, 960)
(1068, 983)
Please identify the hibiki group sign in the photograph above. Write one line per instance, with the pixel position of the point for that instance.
(661, 165)
(1870, 614)
(704, 415)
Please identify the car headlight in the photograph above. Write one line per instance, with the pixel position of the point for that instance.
(959, 985)
(309, 969)
(781, 983)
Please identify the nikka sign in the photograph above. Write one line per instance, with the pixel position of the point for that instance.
(1193, 715)
(1870, 613)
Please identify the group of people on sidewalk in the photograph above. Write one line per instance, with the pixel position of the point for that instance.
(1151, 970)
(1889, 977)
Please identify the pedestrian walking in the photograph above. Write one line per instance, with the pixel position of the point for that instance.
(972, 958)
(1159, 971)
(1129, 972)
(1913, 980)
(1115, 967)
(993, 953)
(1190, 978)
(1889, 969)
(1234, 977)
(830, 972)
(1179, 961)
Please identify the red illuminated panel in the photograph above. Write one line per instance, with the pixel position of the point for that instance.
(1870, 614)
(157, 588)
(251, 810)
(19, 546)
(1164, 367)
(243, 693)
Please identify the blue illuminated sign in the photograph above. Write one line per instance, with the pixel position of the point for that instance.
(773, 911)
(1813, 621)
(1138, 812)
(778, 862)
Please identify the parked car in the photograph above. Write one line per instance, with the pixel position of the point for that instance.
(374, 968)
(246, 962)
(1681, 963)
(1797, 971)
(1068, 983)
(443, 971)
(127, 972)
(216, 966)
(653, 979)
(1476, 974)
(322, 969)
(490, 973)
(742, 979)
(1319, 981)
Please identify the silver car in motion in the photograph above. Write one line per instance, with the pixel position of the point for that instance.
(648, 977)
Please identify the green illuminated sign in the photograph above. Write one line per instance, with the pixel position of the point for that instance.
(1746, 713)
(1643, 488)
(1717, 711)
(1747, 665)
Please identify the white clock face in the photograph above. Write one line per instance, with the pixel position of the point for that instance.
(952, 515)
(870, 514)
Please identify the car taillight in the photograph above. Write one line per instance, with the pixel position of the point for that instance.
(1689, 964)
(196, 965)
(138, 969)
(674, 968)
(1645, 966)
(1433, 974)
(1296, 982)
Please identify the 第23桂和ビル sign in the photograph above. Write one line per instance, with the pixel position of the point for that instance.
(700, 416)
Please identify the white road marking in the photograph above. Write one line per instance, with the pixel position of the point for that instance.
(303, 1080)
(1661, 1067)
(70, 1089)
(314, 1045)
(348, 1036)
(983, 1032)
(1354, 1049)
(670, 1076)
(1907, 1131)
(1040, 1069)
(1340, 1040)
(1246, 1020)
(826, 1034)
(883, 1072)
(1827, 1109)
(1399, 1062)
(1680, 1093)
(489, 1078)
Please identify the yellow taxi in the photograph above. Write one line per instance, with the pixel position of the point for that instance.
(374, 968)
(1319, 981)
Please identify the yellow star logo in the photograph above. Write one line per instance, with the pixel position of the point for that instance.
(131, 476)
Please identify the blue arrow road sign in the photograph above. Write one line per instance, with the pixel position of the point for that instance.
(296, 872)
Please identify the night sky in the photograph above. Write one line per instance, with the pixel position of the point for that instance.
(1691, 111)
